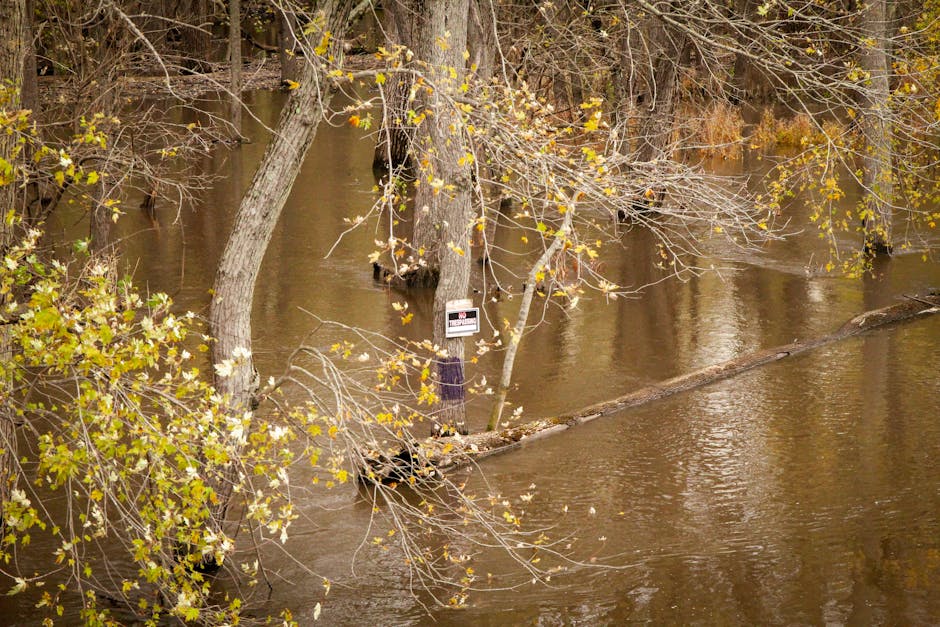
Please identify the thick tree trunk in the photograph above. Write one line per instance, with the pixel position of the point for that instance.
(877, 176)
(13, 47)
(443, 211)
(658, 121)
(230, 310)
(447, 453)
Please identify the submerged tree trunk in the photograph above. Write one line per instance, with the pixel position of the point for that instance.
(653, 63)
(522, 319)
(230, 310)
(877, 176)
(13, 47)
(443, 211)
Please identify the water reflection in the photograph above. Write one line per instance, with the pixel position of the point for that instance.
(807, 491)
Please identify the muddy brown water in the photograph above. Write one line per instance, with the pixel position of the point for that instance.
(804, 492)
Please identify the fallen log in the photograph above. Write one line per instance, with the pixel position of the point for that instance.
(447, 453)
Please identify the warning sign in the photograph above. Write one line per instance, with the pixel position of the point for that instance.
(462, 320)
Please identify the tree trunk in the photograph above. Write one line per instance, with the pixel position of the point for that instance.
(659, 119)
(30, 97)
(481, 39)
(877, 176)
(522, 319)
(443, 211)
(481, 44)
(196, 38)
(13, 48)
(230, 310)
(285, 47)
(235, 65)
(402, 22)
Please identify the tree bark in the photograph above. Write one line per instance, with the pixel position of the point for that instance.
(443, 211)
(235, 65)
(230, 310)
(877, 177)
(482, 45)
(196, 38)
(13, 47)
(402, 22)
(285, 47)
(481, 39)
(30, 97)
(659, 119)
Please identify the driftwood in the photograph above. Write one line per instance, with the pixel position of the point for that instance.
(446, 453)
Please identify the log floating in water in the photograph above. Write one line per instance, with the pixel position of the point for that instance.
(451, 452)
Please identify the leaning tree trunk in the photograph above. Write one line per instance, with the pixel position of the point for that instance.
(443, 211)
(876, 127)
(13, 47)
(230, 310)
(522, 319)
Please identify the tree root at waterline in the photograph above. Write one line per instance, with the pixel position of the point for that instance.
(435, 455)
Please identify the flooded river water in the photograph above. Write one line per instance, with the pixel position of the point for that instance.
(807, 491)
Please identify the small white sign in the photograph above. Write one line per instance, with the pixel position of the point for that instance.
(462, 319)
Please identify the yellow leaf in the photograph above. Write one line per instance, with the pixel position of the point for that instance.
(291, 84)
(324, 43)
(380, 79)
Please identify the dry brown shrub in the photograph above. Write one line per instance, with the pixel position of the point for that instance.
(773, 132)
(719, 133)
